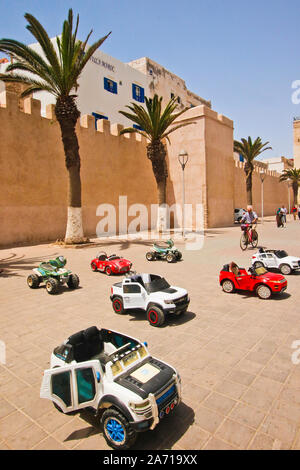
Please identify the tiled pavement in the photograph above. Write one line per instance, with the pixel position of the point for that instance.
(240, 387)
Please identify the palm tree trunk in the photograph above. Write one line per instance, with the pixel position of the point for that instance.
(67, 115)
(248, 172)
(156, 152)
(161, 191)
(295, 191)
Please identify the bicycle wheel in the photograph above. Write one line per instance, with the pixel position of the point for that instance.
(244, 241)
(254, 240)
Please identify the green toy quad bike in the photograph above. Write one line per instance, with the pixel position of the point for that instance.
(164, 250)
(53, 274)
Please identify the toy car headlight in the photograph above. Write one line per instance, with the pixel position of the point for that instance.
(139, 406)
(169, 301)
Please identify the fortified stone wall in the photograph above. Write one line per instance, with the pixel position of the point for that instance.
(275, 194)
(34, 179)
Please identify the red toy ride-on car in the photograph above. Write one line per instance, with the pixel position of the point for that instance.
(257, 280)
(112, 264)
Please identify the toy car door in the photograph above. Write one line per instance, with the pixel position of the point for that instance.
(74, 386)
(242, 280)
(134, 295)
(270, 261)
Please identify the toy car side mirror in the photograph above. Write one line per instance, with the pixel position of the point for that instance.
(98, 376)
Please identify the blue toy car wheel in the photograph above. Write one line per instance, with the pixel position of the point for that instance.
(117, 430)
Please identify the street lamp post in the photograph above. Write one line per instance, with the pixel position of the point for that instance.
(288, 184)
(262, 175)
(183, 158)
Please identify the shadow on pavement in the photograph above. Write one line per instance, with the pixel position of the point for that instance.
(163, 436)
(171, 320)
(13, 263)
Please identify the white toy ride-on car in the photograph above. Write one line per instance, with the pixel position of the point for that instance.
(114, 376)
(276, 259)
(151, 293)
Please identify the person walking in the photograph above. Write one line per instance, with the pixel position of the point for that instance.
(279, 218)
(294, 212)
(284, 212)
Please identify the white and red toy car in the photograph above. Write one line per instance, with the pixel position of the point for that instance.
(151, 293)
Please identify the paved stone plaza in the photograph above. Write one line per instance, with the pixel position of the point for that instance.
(233, 352)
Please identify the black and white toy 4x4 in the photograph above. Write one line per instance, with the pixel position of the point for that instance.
(276, 259)
(115, 376)
(151, 293)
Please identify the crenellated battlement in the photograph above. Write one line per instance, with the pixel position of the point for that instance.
(258, 166)
(11, 102)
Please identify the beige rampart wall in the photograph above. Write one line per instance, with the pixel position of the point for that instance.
(209, 171)
(33, 188)
(275, 194)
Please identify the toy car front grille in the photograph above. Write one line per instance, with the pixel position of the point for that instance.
(166, 397)
(181, 300)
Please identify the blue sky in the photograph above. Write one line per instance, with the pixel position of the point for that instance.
(242, 55)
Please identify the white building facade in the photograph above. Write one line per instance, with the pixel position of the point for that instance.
(107, 86)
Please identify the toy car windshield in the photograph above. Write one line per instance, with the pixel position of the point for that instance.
(157, 285)
(281, 253)
(112, 257)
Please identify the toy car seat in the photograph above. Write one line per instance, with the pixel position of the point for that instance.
(79, 347)
(234, 268)
(93, 341)
(102, 256)
(226, 268)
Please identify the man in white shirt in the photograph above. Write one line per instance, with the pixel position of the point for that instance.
(284, 212)
(250, 217)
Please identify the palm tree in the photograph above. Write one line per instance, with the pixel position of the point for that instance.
(249, 151)
(292, 174)
(154, 123)
(56, 71)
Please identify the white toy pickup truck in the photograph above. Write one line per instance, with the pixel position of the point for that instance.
(114, 375)
(151, 293)
(276, 259)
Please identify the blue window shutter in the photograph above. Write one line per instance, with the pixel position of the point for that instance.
(110, 85)
(138, 93)
(142, 98)
(97, 117)
(137, 127)
(241, 158)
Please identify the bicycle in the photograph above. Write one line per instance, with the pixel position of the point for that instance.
(249, 236)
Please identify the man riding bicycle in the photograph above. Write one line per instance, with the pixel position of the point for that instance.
(250, 217)
(249, 236)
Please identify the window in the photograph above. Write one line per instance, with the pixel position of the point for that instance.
(138, 93)
(178, 100)
(135, 126)
(131, 289)
(110, 85)
(85, 384)
(61, 387)
(172, 95)
(97, 117)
